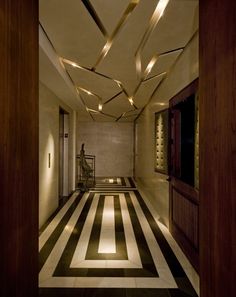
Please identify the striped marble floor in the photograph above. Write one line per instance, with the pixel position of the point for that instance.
(108, 242)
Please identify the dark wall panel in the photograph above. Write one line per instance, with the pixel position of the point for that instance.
(184, 218)
(19, 147)
(217, 148)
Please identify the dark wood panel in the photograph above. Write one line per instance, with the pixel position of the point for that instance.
(185, 93)
(19, 147)
(184, 219)
(217, 106)
(184, 201)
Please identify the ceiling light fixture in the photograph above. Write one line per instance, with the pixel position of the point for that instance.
(131, 100)
(100, 106)
(150, 66)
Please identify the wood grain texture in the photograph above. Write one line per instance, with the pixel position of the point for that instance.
(184, 218)
(184, 199)
(19, 147)
(185, 93)
(217, 108)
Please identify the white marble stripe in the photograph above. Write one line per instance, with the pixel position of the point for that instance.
(134, 261)
(107, 240)
(51, 227)
(163, 281)
(82, 246)
(54, 257)
(158, 258)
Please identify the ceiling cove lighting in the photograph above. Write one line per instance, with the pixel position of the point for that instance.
(131, 100)
(158, 13)
(100, 106)
(131, 6)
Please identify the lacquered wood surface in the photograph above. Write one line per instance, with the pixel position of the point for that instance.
(19, 147)
(217, 148)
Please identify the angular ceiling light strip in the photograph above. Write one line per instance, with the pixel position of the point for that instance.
(113, 97)
(150, 66)
(100, 104)
(120, 116)
(154, 59)
(76, 65)
(158, 12)
(154, 76)
(95, 17)
(131, 6)
(108, 115)
(170, 69)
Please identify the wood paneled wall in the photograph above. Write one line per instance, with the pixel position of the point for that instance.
(217, 108)
(184, 218)
(19, 147)
(184, 200)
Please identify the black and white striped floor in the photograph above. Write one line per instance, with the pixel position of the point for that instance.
(108, 242)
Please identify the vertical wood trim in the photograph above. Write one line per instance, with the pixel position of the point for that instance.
(217, 121)
(19, 147)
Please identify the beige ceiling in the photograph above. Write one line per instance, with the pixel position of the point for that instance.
(117, 52)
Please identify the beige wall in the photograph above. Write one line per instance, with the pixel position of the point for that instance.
(111, 143)
(49, 143)
(154, 184)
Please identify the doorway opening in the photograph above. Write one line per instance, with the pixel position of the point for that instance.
(63, 155)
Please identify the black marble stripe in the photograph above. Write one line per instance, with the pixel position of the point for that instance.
(148, 269)
(48, 246)
(121, 251)
(185, 288)
(123, 183)
(132, 182)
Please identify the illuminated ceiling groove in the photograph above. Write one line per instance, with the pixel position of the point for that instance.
(170, 69)
(131, 6)
(143, 75)
(157, 14)
(95, 17)
(153, 22)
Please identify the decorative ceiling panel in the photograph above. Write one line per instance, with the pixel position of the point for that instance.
(89, 101)
(145, 90)
(120, 60)
(116, 53)
(103, 87)
(110, 12)
(117, 106)
(128, 119)
(174, 30)
(163, 63)
(71, 30)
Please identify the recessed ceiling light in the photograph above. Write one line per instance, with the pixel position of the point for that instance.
(131, 100)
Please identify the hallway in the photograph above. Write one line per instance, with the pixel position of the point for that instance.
(117, 69)
(109, 242)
